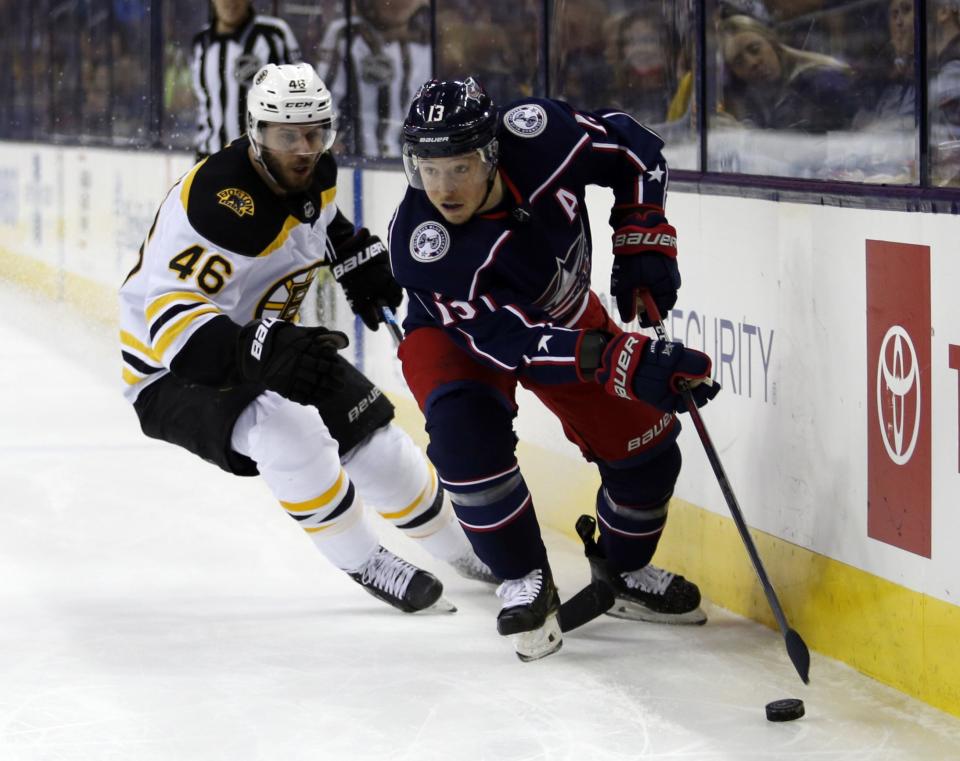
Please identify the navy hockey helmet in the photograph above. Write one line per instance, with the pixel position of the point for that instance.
(449, 118)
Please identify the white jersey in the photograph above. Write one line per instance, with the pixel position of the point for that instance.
(222, 244)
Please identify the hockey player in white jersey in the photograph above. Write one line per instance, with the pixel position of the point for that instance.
(213, 360)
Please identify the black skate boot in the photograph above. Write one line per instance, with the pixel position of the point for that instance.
(401, 584)
(658, 596)
(647, 594)
(529, 614)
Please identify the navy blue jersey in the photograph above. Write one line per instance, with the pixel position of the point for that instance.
(509, 285)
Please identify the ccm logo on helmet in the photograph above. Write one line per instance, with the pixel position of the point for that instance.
(645, 239)
(299, 104)
(623, 364)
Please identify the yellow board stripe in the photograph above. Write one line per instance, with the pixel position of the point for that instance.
(312, 505)
(171, 333)
(281, 236)
(429, 489)
(128, 339)
(157, 305)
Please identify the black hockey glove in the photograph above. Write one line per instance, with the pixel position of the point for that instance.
(362, 268)
(644, 257)
(634, 366)
(298, 363)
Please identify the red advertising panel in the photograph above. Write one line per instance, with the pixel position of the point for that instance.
(898, 395)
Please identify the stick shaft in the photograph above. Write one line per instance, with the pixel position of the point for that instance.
(721, 475)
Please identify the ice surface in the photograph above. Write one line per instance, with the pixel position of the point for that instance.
(153, 608)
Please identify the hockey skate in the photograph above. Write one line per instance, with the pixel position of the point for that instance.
(401, 584)
(647, 594)
(529, 614)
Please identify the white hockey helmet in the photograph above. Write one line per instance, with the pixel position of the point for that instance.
(290, 94)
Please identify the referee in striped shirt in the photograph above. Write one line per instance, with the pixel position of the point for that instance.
(226, 54)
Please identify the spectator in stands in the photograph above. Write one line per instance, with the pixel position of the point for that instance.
(226, 54)
(638, 54)
(774, 86)
(893, 97)
(388, 57)
(945, 93)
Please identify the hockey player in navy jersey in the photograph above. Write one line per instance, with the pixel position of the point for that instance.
(214, 361)
(492, 244)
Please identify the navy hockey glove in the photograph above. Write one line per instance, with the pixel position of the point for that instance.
(644, 257)
(298, 363)
(635, 367)
(362, 268)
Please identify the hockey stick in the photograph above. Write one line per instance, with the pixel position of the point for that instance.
(796, 647)
(391, 319)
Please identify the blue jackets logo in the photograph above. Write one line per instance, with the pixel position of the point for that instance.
(528, 120)
(429, 242)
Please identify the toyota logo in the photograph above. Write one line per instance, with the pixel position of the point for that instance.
(898, 374)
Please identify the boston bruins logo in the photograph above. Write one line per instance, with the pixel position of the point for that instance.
(238, 201)
(283, 299)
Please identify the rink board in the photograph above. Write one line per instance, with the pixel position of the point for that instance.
(778, 294)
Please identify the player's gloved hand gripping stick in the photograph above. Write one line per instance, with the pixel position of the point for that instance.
(796, 647)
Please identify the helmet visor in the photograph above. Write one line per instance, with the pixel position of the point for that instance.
(296, 139)
(441, 173)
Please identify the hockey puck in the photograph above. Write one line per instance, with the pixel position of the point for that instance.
(785, 710)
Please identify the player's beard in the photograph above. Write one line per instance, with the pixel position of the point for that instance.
(285, 178)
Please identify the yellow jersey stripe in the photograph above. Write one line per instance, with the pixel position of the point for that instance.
(170, 334)
(281, 236)
(327, 196)
(158, 304)
(428, 490)
(316, 529)
(316, 503)
(130, 379)
(128, 340)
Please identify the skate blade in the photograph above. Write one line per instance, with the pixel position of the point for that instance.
(634, 611)
(442, 605)
(539, 643)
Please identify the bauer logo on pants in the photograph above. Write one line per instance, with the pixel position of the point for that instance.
(898, 395)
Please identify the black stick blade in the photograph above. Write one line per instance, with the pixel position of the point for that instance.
(590, 602)
(797, 650)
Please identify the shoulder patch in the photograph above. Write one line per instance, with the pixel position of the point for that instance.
(238, 201)
(430, 241)
(527, 120)
(228, 204)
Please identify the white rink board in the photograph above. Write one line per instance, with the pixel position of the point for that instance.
(791, 427)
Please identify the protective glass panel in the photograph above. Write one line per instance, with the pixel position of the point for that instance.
(62, 118)
(97, 69)
(943, 47)
(131, 55)
(499, 42)
(182, 19)
(374, 77)
(636, 56)
(813, 90)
